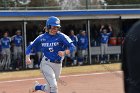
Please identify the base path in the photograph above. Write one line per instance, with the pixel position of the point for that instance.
(108, 82)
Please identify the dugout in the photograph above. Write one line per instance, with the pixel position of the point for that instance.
(31, 22)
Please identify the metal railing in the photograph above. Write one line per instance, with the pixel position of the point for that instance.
(81, 7)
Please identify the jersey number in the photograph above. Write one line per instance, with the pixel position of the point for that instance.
(51, 49)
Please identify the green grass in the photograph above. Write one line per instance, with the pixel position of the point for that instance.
(91, 68)
(65, 71)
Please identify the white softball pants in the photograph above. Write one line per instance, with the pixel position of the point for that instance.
(51, 72)
(103, 49)
(17, 52)
(7, 57)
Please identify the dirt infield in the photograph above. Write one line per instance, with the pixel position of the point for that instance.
(108, 82)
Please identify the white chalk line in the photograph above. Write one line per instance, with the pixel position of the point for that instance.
(77, 75)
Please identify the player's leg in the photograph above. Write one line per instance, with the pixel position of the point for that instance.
(72, 58)
(15, 50)
(84, 56)
(19, 57)
(105, 51)
(80, 57)
(18, 53)
(75, 56)
(8, 58)
(15, 53)
(57, 70)
(4, 58)
(39, 55)
(102, 52)
(49, 75)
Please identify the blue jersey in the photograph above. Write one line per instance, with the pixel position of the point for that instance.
(74, 39)
(17, 40)
(5, 42)
(35, 50)
(51, 44)
(82, 41)
(38, 49)
(105, 37)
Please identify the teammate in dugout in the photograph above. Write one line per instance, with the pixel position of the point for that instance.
(54, 45)
(17, 42)
(82, 46)
(104, 42)
(74, 38)
(6, 52)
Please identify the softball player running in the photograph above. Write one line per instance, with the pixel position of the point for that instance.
(54, 45)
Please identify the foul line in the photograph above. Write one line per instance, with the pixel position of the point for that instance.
(77, 75)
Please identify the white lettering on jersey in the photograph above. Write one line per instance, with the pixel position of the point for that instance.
(50, 44)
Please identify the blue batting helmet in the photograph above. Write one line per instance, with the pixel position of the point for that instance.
(52, 21)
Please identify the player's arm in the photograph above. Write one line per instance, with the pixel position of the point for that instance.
(67, 51)
(34, 44)
(13, 37)
(76, 40)
(70, 46)
(102, 28)
(12, 40)
(110, 28)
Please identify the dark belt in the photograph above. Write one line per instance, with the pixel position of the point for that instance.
(53, 61)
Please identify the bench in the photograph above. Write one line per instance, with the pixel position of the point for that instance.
(110, 51)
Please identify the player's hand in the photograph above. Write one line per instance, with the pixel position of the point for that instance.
(109, 27)
(67, 52)
(28, 60)
(102, 26)
(61, 53)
